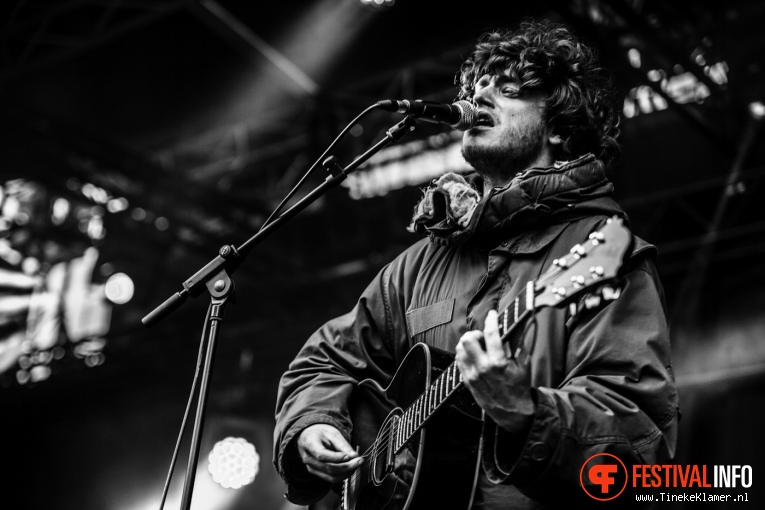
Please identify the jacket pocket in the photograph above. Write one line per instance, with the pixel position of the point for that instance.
(427, 317)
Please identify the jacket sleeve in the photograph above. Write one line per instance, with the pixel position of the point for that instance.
(618, 396)
(318, 383)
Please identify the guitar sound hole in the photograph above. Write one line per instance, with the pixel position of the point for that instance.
(381, 457)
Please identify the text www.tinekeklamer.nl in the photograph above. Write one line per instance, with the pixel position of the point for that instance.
(701, 497)
(604, 477)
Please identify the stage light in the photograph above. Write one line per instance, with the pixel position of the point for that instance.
(378, 4)
(757, 109)
(161, 223)
(655, 75)
(23, 377)
(718, 72)
(634, 57)
(138, 214)
(8, 254)
(95, 227)
(39, 373)
(233, 462)
(90, 349)
(116, 205)
(408, 164)
(96, 194)
(686, 88)
(119, 288)
(11, 207)
(60, 210)
(30, 266)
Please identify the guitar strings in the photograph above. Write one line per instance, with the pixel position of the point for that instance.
(376, 448)
(385, 436)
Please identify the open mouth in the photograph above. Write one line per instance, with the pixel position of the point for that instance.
(484, 119)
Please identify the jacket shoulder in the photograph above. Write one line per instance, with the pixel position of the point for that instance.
(640, 247)
(415, 255)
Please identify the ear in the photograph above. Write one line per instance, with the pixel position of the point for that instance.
(554, 139)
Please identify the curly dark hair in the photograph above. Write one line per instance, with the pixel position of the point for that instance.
(546, 57)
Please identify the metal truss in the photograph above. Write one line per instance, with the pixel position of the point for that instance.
(274, 145)
(37, 34)
(669, 36)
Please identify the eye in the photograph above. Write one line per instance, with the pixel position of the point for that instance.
(482, 82)
(510, 91)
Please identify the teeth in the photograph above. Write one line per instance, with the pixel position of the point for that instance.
(484, 119)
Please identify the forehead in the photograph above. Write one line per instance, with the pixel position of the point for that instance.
(503, 75)
(502, 78)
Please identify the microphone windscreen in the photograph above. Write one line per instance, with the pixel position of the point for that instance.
(469, 115)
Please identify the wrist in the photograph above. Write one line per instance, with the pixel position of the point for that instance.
(519, 418)
(292, 464)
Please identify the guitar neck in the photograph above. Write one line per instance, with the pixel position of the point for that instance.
(450, 380)
(586, 272)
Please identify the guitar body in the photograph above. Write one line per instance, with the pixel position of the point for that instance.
(421, 436)
(438, 467)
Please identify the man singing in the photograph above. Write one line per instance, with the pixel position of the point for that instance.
(586, 380)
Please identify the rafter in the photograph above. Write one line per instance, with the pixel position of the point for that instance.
(33, 37)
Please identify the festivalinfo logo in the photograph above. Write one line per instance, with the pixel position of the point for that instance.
(604, 477)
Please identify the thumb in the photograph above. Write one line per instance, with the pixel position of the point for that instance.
(338, 443)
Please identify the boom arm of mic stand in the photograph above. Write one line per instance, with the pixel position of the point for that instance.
(230, 257)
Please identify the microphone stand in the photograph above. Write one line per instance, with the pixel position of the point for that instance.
(215, 276)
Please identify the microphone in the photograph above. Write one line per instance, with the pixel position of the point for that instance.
(461, 115)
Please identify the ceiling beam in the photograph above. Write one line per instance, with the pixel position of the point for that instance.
(228, 26)
(30, 44)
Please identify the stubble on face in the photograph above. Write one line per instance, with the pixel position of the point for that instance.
(518, 149)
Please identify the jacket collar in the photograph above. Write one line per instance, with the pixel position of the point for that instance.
(536, 198)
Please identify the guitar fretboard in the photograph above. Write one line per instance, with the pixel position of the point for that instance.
(448, 382)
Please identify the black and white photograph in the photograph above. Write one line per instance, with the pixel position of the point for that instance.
(382, 255)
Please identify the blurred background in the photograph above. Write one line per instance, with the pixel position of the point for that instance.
(139, 136)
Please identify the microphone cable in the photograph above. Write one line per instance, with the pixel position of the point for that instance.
(313, 167)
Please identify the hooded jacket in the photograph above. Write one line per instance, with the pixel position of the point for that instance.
(601, 376)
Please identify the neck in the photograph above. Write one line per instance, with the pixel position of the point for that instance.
(500, 179)
(489, 184)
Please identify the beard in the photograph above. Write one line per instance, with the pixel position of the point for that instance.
(516, 151)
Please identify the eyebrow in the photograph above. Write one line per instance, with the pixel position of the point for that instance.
(500, 81)
(503, 79)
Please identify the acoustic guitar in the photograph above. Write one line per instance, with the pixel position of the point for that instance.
(421, 435)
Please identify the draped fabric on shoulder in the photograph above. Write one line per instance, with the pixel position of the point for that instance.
(536, 197)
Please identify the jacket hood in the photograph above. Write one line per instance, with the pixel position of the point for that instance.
(452, 210)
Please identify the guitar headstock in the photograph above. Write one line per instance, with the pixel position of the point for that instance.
(587, 267)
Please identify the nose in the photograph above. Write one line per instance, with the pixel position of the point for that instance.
(484, 91)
